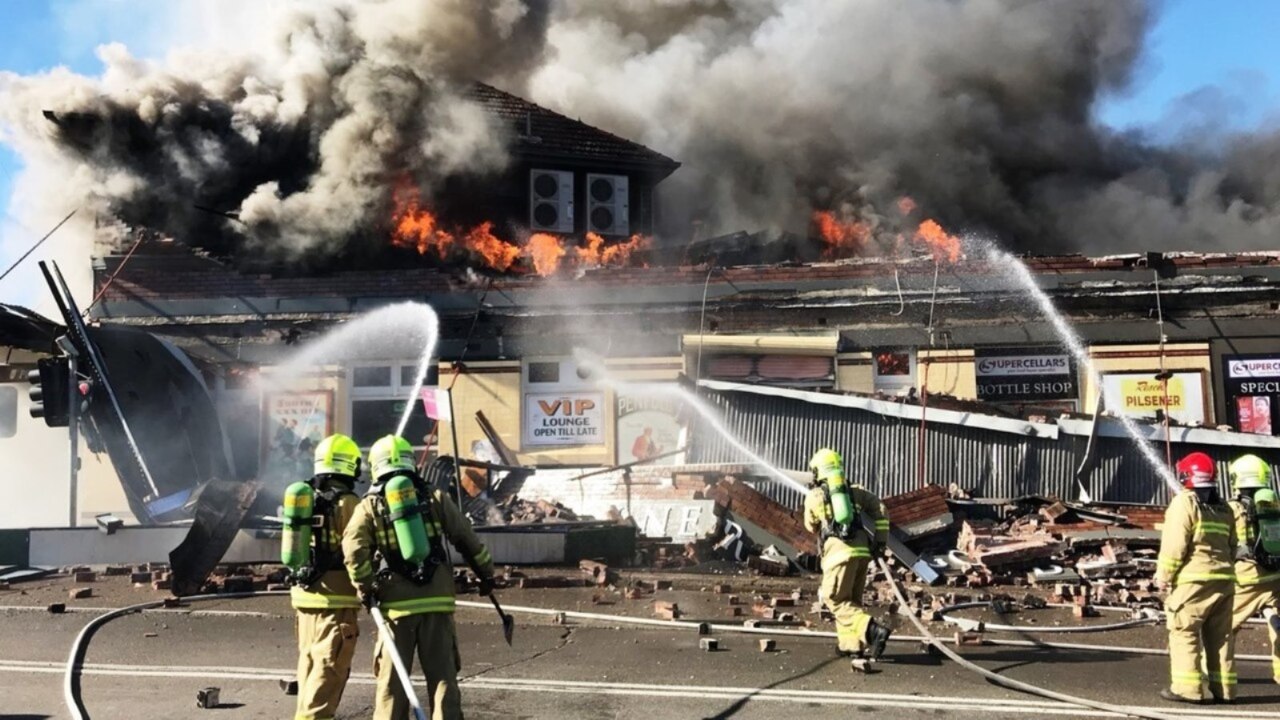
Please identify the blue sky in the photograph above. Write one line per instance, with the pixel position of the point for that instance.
(1221, 54)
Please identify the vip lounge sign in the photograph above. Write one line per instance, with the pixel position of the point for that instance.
(1015, 375)
(1142, 395)
(569, 418)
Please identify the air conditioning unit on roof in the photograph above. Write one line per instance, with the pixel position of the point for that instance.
(608, 205)
(551, 201)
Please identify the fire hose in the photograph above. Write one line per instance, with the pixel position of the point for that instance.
(74, 703)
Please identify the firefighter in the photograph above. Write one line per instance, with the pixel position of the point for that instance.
(833, 510)
(1257, 521)
(396, 558)
(317, 513)
(1197, 552)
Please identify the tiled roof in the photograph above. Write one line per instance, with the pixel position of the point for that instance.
(541, 131)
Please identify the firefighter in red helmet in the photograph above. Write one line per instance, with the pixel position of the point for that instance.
(1196, 565)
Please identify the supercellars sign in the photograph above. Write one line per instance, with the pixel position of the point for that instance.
(1012, 374)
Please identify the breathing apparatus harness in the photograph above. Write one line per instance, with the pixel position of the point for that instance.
(404, 503)
(840, 513)
(1261, 543)
(309, 518)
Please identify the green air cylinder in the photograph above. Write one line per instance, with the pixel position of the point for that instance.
(295, 545)
(841, 507)
(1267, 508)
(406, 517)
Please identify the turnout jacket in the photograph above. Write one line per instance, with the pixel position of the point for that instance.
(817, 513)
(370, 537)
(1198, 543)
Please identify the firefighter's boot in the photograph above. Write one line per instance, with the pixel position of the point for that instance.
(877, 639)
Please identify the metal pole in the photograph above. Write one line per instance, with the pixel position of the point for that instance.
(73, 415)
(453, 430)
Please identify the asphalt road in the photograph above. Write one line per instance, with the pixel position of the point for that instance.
(152, 665)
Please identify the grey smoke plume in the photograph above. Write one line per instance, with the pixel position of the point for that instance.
(980, 110)
(303, 140)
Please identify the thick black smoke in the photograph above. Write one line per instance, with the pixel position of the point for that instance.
(980, 110)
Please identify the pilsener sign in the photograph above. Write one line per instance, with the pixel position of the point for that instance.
(1027, 374)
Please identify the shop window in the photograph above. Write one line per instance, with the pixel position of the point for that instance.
(894, 370)
(379, 395)
(798, 371)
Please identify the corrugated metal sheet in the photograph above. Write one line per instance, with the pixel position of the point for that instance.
(882, 453)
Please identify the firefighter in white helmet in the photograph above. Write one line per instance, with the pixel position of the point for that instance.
(1257, 516)
(316, 515)
(396, 557)
(1197, 554)
(833, 510)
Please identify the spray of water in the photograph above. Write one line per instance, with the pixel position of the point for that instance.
(402, 330)
(598, 369)
(1074, 345)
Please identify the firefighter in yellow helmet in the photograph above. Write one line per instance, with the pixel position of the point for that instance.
(1197, 554)
(832, 510)
(405, 569)
(1257, 515)
(317, 512)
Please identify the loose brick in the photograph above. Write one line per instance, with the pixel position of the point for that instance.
(721, 589)
(161, 585)
(709, 644)
(80, 593)
(666, 610)
(140, 578)
(85, 576)
(57, 608)
(767, 645)
(782, 602)
(237, 584)
(114, 570)
(662, 585)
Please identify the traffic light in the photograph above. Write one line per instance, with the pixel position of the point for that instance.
(50, 391)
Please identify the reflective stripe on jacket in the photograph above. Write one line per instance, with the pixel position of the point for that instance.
(370, 536)
(835, 551)
(1198, 542)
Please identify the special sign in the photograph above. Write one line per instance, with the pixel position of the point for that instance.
(569, 418)
(1251, 385)
(1024, 374)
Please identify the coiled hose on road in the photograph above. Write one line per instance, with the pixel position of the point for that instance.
(79, 648)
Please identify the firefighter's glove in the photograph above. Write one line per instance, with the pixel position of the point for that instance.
(486, 586)
(368, 598)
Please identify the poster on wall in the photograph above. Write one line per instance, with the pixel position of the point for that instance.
(1140, 394)
(293, 423)
(562, 419)
(1025, 374)
(1251, 385)
(1253, 414)
(649, 427)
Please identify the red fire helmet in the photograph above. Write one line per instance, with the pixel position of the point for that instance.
(1197, 471)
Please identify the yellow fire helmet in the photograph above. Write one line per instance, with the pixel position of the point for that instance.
(1249, 471)
(389, 454)
(337, 455)
(827, 463)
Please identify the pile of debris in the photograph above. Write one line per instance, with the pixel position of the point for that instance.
(516, 511)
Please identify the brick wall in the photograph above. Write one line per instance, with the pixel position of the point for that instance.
(740, 499)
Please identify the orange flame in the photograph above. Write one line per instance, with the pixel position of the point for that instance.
(849, 237)
(418, 228)
(546, 251)
(943, 245)
(844, 238)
